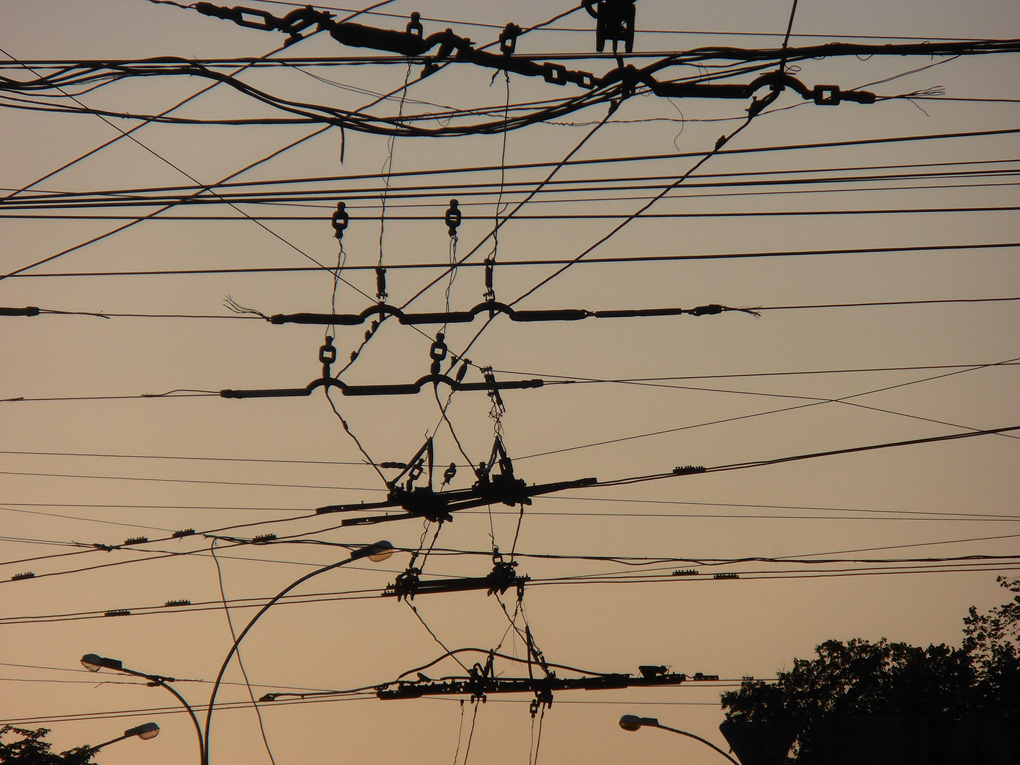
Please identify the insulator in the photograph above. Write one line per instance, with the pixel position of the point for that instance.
(340, 221)
(453, 217)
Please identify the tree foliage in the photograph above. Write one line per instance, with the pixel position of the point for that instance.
(992, 640)
(30, 749)
(939, 683)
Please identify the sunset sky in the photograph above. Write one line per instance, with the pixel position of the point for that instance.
(864, 256)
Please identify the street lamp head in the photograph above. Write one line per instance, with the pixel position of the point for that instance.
(94, 662)
(145, 731)
(633, 722)
(375, 552)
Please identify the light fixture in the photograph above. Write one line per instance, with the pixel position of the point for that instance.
(375, 552)
(633, 722)
(93, 662)
(145, 731)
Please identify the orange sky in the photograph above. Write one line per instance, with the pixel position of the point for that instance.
(88, 457)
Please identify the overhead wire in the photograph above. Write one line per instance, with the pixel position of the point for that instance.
(774, 308)
(50, 199)
(203, 189)
(528, 262)
(237, 651)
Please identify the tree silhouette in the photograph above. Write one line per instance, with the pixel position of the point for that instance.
(992, 640)
(917, 694)
(30, 749)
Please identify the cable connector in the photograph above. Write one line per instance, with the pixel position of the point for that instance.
(707, 310)
(831, 95)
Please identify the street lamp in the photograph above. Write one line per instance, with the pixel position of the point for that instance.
(378, 551)
(145, 731)
(633, 722)
(94, 662)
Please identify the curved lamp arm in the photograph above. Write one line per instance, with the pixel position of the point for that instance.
(376, 552)
(145, 731)
(633, 722)
(93, 663)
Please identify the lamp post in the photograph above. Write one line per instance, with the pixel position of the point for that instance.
(145, 731)
(94, 662)
(379, 551)
(633, 722)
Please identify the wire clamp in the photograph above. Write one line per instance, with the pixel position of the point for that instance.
(406, 584)
(543, 698)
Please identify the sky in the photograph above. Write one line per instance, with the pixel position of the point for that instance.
(865, 256)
